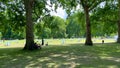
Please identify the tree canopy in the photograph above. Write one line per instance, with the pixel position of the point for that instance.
(34, 15)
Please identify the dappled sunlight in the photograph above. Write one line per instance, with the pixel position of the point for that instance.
(44, 59)
(52, 65)
(31, 64)
(3, 56)
(118, 51)
(14, 60)
(56, 55)
(71, 64)
(111, 58)
(109, 66)
(72, 56)
(28, 57)
(112, 66)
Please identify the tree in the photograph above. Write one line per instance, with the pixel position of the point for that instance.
(88, 6)
(118, 40)
(16, 16)
(30, 45)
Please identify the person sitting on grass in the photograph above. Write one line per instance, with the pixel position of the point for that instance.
(37, 45)
(46, 44)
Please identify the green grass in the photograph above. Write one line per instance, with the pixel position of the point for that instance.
(62, 56)
(21, 43)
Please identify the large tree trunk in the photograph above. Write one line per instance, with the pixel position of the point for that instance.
(88, 28)
(30, 45)
(118, 40)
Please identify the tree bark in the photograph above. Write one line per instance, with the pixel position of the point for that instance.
(118, 39)
(30, 45)
(88, 27)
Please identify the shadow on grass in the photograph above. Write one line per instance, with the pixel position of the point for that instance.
(77, 56)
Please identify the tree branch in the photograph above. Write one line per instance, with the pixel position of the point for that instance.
(94, 4)
(82, 2)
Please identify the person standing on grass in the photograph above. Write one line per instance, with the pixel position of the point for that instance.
(102, 41)
(63, 41)
(42, 41)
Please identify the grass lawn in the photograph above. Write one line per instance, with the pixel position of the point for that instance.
(62, 56)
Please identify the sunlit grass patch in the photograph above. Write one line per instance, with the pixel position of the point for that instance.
(51, 42)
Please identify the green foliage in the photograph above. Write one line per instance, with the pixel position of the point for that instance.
(58, 27)
(76, 25)
(12, 19)
(105, 19)
(51, 27)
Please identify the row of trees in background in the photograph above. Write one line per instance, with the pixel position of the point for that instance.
(101, 17)
(56, 27)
